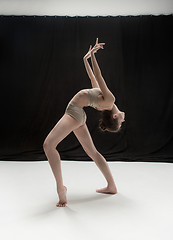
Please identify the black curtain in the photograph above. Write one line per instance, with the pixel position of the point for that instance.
(41, 61)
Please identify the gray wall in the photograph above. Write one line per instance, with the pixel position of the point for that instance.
(87, 7)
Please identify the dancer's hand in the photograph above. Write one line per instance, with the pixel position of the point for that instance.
(88, 55)
(97, 46)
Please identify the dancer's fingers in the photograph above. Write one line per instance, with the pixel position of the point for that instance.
(99, 47)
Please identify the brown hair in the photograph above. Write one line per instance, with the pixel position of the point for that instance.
(107, 122)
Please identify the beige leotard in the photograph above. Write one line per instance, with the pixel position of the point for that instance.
(78, 113)
(93, 94)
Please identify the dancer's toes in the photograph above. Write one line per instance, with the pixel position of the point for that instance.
(63, 198)
(61, 204)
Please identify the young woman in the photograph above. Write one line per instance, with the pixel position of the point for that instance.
(74, 119)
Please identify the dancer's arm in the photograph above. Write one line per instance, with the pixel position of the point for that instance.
(89, 71)
(97, 72)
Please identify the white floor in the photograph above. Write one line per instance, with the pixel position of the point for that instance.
(142, 209)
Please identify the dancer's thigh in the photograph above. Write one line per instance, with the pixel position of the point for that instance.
(63, 127)
(83, 135)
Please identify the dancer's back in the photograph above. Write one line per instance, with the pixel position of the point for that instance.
(91, 97)
(81, 98)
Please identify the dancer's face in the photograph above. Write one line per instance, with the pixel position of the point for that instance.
(120, 116)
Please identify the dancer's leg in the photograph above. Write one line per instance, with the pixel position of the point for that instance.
(64, 126)
(84, 137)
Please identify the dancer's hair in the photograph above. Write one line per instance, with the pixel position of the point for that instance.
(108, 123)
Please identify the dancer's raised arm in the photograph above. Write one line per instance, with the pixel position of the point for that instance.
(97, 72)
(89, 71)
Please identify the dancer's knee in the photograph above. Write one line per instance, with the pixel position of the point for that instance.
(93, 153)
(48, 145)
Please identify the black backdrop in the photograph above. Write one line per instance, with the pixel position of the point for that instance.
(41, 61)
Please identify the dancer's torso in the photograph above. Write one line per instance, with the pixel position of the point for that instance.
(91, 97)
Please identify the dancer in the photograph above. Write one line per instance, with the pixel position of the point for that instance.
(74, 119)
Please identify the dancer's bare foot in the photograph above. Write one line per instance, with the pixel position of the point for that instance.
(62, 198)
(108, 190)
